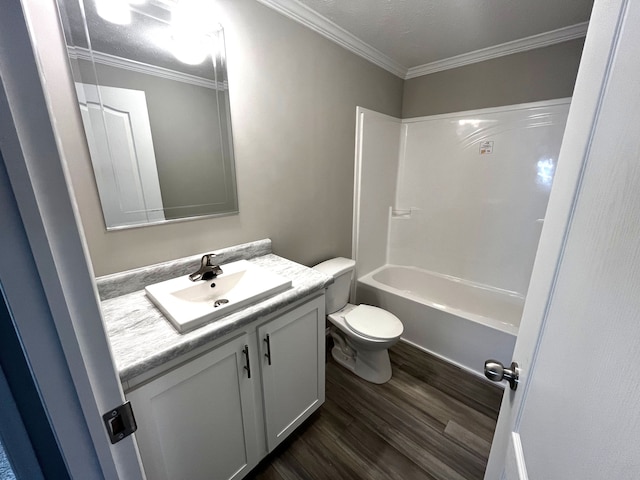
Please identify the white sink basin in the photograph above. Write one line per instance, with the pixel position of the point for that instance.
(190, 304)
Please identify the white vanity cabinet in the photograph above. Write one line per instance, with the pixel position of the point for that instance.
(198, 421)
(207, 419)
(292, 364)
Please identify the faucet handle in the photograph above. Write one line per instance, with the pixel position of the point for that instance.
(207, 269)
(206, 259)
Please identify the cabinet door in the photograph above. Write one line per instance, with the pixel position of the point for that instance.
(198, 421)
(293, 382)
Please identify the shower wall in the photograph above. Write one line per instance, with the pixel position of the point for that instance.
(471, 192)
(376, 168)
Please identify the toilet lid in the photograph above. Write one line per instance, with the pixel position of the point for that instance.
(374, 322)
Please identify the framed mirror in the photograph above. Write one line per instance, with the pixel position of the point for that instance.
(151, 83)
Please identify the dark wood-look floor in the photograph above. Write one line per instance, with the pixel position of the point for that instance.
(431, 420)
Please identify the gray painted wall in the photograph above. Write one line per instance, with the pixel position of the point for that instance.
(293, 106)
(293, 102)
(541, 74)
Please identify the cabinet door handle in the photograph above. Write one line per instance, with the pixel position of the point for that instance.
(247, 367)
(267, 340)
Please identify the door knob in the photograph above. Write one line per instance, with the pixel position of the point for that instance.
(495, 371)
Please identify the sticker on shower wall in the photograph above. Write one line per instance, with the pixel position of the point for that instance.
(486, 148)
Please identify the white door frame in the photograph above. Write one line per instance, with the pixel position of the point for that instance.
(46, 275)
(591, 85)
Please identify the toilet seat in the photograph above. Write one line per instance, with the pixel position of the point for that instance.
(373, 322)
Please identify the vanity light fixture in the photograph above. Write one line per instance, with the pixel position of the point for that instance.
(190, 31)
(114, 11)
(189, 47)
(192, 22)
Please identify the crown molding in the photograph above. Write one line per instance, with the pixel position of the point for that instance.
(139, 67)
(529, 43)
(325, 27)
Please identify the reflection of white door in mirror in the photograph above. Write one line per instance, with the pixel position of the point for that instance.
(116, 122)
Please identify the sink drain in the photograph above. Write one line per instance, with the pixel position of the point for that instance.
(222, 301)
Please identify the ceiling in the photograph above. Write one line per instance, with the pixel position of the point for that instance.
(408, 36)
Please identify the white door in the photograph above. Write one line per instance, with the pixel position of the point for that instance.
(116, 122)
(575, 413)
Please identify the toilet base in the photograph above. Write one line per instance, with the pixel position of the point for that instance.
(372, 366)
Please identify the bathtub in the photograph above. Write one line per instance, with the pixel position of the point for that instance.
(457, 320)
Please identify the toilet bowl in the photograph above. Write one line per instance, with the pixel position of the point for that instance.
(362, 333)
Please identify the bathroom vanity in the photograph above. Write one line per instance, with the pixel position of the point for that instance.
(212, 402)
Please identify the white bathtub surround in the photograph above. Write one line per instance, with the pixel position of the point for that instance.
(477, 183)
(464, 216)
(470, 192)
(376, 170)
(459, 321)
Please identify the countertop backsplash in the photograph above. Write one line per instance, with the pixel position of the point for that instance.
(122, 283)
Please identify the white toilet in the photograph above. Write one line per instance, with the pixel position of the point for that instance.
(362, 333)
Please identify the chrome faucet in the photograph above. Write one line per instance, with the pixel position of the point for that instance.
(207, 269)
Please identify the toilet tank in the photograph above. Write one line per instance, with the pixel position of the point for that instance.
(341, 269)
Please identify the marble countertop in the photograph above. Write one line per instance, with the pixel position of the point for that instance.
(142, 338)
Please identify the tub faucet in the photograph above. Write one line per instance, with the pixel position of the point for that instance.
(207, 269)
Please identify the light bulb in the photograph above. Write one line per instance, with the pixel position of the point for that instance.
(114, 11)
(191, 22)
(194, 15)
(189, 47)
